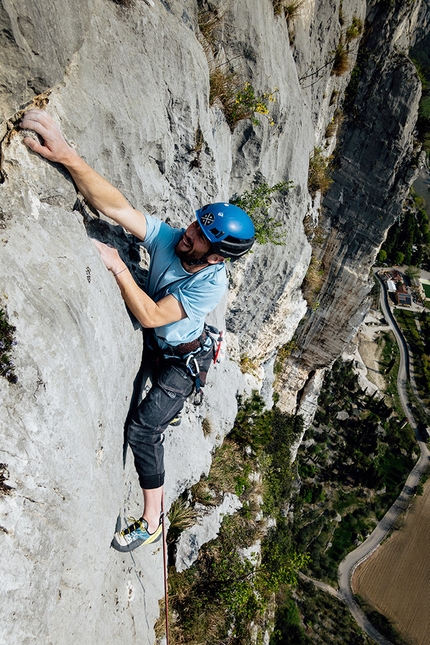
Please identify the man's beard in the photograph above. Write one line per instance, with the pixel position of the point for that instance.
(190, 256)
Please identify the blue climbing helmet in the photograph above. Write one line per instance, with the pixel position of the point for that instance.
(228, 228)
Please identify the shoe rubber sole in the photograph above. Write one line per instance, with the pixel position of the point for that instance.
(152, 537)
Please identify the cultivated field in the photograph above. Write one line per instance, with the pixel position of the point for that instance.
(395, 580)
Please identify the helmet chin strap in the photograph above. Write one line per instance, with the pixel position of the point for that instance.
(202, 260)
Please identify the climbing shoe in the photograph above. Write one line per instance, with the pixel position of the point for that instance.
(135, 535)
(176, 421)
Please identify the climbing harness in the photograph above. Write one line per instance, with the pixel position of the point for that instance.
(187, 354)
(216, 338)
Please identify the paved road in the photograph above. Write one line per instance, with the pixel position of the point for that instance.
(353, 559)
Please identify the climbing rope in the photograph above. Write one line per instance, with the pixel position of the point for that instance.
(166, 592)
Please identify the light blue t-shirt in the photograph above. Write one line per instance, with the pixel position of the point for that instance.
(199, 293)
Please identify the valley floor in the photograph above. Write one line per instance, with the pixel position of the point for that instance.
(396, 578)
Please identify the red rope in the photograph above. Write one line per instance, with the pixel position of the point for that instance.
(166, 593)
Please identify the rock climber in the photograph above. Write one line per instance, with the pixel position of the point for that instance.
(186, 280)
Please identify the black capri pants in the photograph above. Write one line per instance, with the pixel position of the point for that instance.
(171, 387)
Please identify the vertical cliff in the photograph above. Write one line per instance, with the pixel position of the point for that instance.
(375, 162)
(129, 84)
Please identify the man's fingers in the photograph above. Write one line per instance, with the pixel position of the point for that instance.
(53, 145)
(110, 256)
(36, 125)
(31, 143)
(42, 123)
(35, 146)
(35, 115)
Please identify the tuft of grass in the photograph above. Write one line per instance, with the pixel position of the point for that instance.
(283, 353)
(354, 30)
(248, 365)
(330, 129)
(341, 59)
(334, 124)
(227, 466)
(290, 8)
(203, 494)
(208, 21)
(238, 102)
(224, 86)
(313, 283)
(319, 176)
(206, 427)
(228, 474)
(181, 516)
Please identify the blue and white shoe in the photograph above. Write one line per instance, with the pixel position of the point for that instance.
(135, 535)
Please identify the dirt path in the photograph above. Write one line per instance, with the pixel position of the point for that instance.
(396, 578)
(369, 350)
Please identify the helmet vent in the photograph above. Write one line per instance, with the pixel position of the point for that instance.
(234, 240)
(216, 232)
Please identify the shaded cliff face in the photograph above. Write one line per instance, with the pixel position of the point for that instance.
(375, 162)
(130, 88)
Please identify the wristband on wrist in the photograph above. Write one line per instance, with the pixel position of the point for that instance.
(115, 274)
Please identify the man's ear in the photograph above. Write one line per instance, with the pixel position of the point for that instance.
(214, 258)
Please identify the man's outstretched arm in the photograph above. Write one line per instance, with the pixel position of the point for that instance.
(96, 190)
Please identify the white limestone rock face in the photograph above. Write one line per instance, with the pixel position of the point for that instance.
(129, 89)
(61, 424)
(132, 113)
(206, 529)
(307, 406)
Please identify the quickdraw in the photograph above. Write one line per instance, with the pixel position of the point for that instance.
(194, 369)
(220, 350)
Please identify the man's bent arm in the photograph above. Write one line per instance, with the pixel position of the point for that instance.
(150, 314)
(96, 190)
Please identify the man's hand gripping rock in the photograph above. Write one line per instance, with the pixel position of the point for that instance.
(54, 147)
